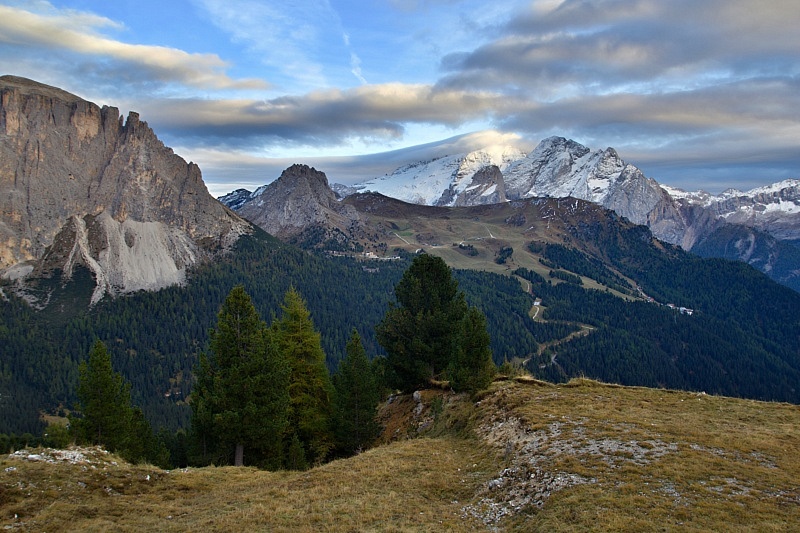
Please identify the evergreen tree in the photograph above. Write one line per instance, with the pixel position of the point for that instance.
(472, 369)
(107, 416)
(241, 400)
(204, 445)
(310, 388)
(104, 403)
(421, 335)
(357, 397)
(143, 443)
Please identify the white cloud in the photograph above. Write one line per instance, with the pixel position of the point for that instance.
(53, 30)
(297, 40)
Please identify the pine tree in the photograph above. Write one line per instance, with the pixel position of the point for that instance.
(472, 368)
(204, 445)
(421, 334)
(241, 399)
(431, 333)
(107, 415)
(104, 402)
(310, 388)
(357, 397)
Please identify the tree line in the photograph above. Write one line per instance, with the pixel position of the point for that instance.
(263, 395)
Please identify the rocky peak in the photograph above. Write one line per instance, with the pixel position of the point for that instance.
(298, 199)
(63, 159)
(301, 181)
(487, 187)
(234, 200)
(774, 209)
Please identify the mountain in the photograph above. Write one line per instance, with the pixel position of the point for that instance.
(778, 258)
(448, 181)
(561, 168)
(773, 209)
(236, 199)
(81, 187)
(297, 204)
(603, 285)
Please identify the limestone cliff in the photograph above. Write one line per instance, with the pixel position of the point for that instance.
(81, 186)
(298, 202)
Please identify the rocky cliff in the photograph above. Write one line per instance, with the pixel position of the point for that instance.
(81, 186)
(298, 202)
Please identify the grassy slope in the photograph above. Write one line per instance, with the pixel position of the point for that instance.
(530, 456)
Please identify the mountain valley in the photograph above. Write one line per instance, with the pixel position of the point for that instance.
(122, 242)
(760, 227)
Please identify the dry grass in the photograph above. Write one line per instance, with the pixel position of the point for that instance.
(647, 459)
(531, 456)
(413, 485)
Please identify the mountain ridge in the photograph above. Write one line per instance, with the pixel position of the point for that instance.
(560, 167)
(81, 185)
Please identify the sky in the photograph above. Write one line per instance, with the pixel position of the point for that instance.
(699, 94)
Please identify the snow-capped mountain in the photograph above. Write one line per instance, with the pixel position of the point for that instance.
(773, 209)
(448, 180)
(236, 199)
(559, 168)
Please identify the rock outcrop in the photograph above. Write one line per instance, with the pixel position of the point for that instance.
(298, 201)
(80, 186)
(487, 187)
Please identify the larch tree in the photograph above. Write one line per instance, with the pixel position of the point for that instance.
(357, 398)
(241, 400)
(310, 388)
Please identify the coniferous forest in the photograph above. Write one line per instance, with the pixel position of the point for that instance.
(155, 338)
(742, 339)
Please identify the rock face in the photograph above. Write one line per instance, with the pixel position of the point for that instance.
(299, 200)
(774, 209)
(487, 187)
(559, 167)
(78, 186)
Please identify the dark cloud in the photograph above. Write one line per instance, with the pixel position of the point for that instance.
(320, 118)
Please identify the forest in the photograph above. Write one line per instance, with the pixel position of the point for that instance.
(155, 338)
(743, 339)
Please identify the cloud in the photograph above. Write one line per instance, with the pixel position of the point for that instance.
(223, 170)
(300, 41)
(631, 45)
(701, 83)
(53, 30)
(326, 117)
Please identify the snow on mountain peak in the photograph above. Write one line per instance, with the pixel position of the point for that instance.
(426, 182)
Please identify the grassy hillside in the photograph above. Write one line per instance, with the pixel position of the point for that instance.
(527, 456)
